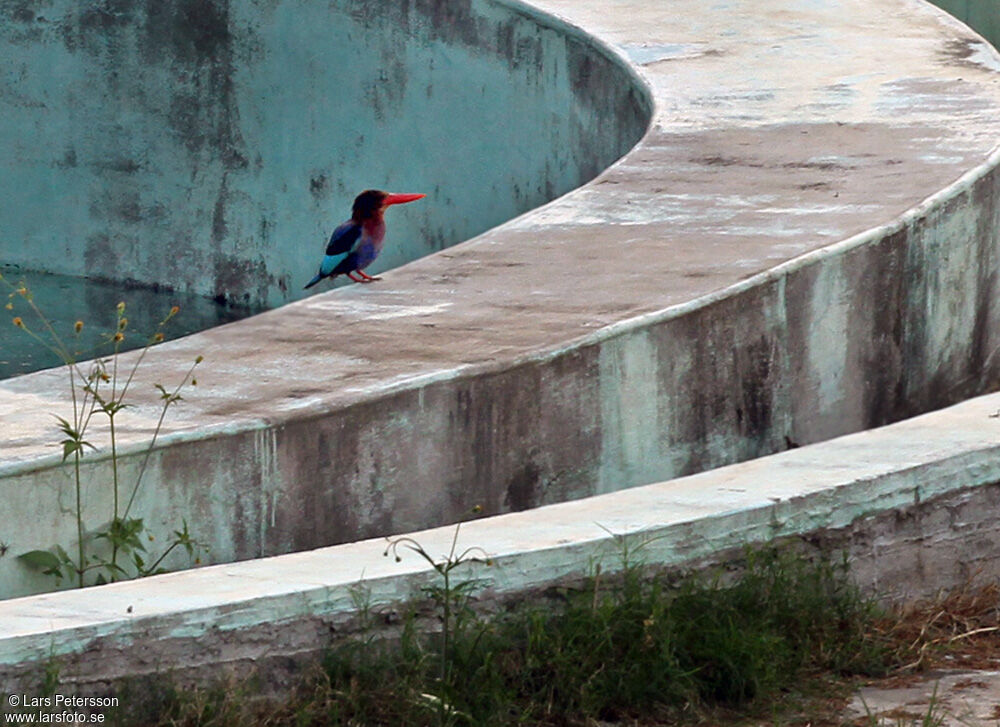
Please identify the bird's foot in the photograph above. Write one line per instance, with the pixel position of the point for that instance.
(366, 278)
(356, 280)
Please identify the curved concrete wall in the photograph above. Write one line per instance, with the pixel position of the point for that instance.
(212, 146)
(912, 506)
(799, 247)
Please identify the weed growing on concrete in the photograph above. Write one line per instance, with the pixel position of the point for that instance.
(453, 600)
(706, 642)
(621, 649)
(101, 390)
(50, 676)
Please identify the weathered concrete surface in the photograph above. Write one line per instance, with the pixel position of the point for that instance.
(912, 505)
(803, 245)
(211, 146)
(947, 698)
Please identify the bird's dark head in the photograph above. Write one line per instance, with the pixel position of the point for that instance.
(372, 203)
(368, 204)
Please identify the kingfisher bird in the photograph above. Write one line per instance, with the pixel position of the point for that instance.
(360, 237)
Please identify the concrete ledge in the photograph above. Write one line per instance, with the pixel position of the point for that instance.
(912, 504)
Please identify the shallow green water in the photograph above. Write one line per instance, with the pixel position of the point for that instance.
(64, 300)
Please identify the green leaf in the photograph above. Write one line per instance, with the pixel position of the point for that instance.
(112, 407)
(63, 555)
(74, 445)
(42, 560)
(66, 428)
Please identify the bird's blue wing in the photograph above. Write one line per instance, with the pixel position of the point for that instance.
(348, 265)
(343, 238)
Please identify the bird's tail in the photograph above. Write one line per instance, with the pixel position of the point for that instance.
(311, 283)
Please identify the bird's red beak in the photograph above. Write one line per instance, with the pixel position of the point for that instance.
(401, 198)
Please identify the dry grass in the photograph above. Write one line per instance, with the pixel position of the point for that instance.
(958, 629)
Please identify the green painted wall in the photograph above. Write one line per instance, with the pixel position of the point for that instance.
(981, 15)
(212, 146)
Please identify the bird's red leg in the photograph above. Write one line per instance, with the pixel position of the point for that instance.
(367, 278)
(356, 280)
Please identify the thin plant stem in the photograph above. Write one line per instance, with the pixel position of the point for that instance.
(157, 336)
(62, 350)
(156, 564)
(79, 517)
(168, 400)
(445, 661)
(114, 480)
(445, 570)
(111, 412)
